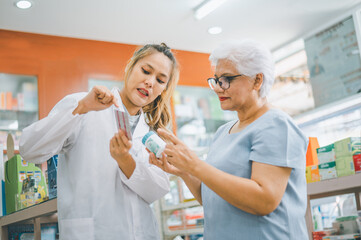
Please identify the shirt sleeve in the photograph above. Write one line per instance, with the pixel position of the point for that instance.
(280, 143)
(148, 181)
(52, 134)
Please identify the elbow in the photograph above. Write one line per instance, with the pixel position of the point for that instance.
(266, 207)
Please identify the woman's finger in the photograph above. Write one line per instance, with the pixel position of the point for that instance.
(124, 139)
(115, 102)
(117, 140)
(168, 135)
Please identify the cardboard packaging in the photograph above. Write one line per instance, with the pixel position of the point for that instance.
(327, 170)
(326, 154)
(52, 175)
(311, 154)
(312, 174)
(344, 150)
(16, 170)
(357, 162)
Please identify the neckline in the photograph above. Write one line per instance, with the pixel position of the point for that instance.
(252, 123)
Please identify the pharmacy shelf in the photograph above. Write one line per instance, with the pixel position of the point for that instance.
(199, 230)
(37, 214)
(332, 187)
(192, 203)
(335, 185)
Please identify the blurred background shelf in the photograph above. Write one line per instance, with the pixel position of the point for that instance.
(193, 203)
(44, 212)
(184, 232)
(335, 185)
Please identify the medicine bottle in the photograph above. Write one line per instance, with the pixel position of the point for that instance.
(154, 143)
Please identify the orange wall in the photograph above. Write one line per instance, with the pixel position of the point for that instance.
(64, 65)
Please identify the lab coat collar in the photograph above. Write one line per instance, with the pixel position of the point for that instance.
(142, 127)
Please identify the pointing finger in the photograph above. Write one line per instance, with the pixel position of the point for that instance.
(168, 135)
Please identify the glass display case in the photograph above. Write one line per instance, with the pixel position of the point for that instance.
(18, 105)
(334, 121)
(198, 116)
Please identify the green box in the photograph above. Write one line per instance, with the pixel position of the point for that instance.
(16, 170)
(327, 170)
(345, 166)
(326, 154)
(348, 147)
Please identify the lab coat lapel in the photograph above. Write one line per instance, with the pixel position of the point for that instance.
(142, 127)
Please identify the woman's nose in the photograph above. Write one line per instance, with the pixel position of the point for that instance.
(149, 81)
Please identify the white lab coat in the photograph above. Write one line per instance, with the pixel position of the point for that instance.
(95, 199)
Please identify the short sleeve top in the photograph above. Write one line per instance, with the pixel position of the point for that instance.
(272, 139)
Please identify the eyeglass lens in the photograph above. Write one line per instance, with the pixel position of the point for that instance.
(222, 82)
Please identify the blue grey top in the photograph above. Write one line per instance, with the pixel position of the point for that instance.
(273, 139)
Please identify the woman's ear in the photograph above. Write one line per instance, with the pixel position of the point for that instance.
(258, 81)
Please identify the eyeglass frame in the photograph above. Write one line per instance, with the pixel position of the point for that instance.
(228, 79)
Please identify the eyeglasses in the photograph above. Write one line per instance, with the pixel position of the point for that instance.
(223, 82)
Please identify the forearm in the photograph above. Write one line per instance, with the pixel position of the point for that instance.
(194, 185)
(245, 194)
(47, 137)
(127, 166)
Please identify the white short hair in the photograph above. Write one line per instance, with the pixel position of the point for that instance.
(250, 58)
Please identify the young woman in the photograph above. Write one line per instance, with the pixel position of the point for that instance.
(105, 182)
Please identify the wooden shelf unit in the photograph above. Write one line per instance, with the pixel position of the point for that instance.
(45, 212)
(332, 187)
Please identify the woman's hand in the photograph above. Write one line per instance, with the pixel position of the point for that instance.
(119, 149)
(163, 164)
(99, 98)
(178, 154)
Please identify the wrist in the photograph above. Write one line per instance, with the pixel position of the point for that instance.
(197, 166)
(125, 161)
(80, 109)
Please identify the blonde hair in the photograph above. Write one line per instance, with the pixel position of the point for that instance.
(158, 113)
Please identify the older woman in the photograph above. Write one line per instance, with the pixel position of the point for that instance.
(252, 185)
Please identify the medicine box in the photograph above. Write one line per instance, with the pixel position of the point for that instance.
(344, 150)
(311, 154)
(345, 166)
(312, 174)
(327, 170)
(348, 147)
(326, 154)
(357, 162)
(52, 176)
(16, 170)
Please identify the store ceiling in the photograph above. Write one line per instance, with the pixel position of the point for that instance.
(274, 22)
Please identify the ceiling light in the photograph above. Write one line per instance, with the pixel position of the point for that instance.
(23, 4)
(214, 30)
(206, 8)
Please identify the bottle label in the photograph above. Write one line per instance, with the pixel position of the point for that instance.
(152, 145)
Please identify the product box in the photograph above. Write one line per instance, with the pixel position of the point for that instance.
(16, 171)
(348, 147)
(312, 174)
(343, 237)
(311, 154)
(344, 150)
(345, 166)
(52, 176)
(346, 225)
(327, 170)
(326, 154)
(357, 162)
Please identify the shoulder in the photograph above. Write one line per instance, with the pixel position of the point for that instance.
(280, 123)
(69, 101)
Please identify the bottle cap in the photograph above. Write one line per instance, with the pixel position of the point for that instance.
(146, 136)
